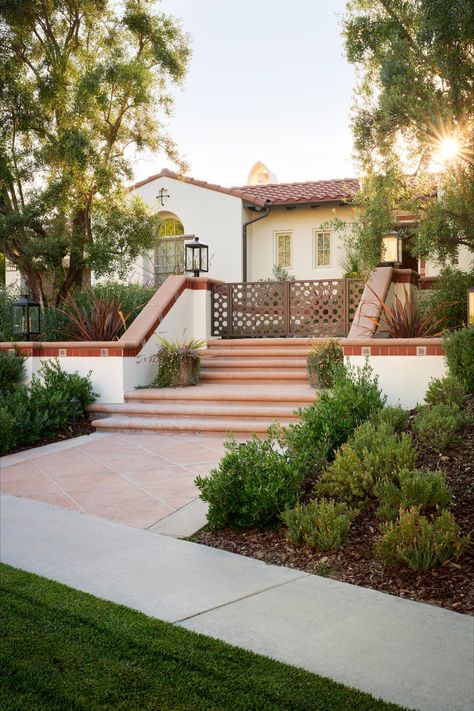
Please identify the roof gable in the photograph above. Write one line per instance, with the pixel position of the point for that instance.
(241, 193)
(277, 194)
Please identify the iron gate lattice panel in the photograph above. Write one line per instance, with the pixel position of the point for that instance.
(317, 307)
(258, 309)
(324, 307)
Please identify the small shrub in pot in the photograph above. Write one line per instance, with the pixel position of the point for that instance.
(179, 363)
(323, 357)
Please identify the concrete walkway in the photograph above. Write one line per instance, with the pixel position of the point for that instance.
(413, 654)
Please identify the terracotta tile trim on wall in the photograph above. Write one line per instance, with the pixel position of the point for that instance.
(393, 347)
(134, 338)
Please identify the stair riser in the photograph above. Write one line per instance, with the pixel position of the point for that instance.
(268, 364)
(255, 353)
(252, 376)
(261, 342)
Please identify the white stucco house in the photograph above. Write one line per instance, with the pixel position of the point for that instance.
(249, 229)
(252, 228)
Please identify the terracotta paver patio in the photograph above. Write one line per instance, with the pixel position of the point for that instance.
(134, 479)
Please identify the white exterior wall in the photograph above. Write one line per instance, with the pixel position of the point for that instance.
(112, 376)
(465, 262)
(301, 222)
(404, 379)
(214, 217)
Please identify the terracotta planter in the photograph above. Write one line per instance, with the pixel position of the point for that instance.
(188, 373)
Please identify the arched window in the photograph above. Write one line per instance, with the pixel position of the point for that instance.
(169, 248)
(170, 227)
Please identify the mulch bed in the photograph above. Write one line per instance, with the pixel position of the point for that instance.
(450, 586)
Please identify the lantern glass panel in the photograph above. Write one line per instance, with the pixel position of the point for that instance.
(204, 260)
(391, 248)
(470, 307)
(189, 251)
(34, 317)
(19, 320)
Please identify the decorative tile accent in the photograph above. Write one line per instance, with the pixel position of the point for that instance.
(62, 352)
(366, 351)
(421, 350)
(104, 352)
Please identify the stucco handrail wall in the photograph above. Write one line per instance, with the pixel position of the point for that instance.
(134, 338)
(375, 291)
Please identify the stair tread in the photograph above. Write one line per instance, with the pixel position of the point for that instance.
(196, 409)
(210, 425)
(268, 392)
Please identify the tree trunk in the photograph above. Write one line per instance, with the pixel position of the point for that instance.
(35, 285)
(75, 272)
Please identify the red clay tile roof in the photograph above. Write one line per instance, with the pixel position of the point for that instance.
(310, 192)
(314, 191)
(235, 192)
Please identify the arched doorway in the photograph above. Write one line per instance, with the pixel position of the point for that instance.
(169, 248)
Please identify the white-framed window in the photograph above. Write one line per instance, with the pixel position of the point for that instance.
(322, 248)
(283, 255)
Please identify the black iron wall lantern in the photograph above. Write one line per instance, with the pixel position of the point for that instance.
(392, 246)
(26, 318)
(196, 257)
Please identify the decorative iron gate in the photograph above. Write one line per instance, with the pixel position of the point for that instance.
(264, 309)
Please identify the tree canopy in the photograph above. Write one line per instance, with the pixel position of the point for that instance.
(413, 121)
(82, 82)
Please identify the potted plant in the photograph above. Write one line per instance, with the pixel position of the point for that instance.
(323, 356)
(179, 363)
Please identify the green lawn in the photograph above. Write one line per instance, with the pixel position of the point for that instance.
(64, 650)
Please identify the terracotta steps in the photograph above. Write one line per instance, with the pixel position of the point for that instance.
(246, 385)
(296, 395)
(185, 409)
(179, 424)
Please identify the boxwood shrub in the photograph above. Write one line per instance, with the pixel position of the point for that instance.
(52, 403)
(324, 426)
(253, 484)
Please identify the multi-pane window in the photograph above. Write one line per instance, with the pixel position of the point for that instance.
(283, 249)
(322, 249)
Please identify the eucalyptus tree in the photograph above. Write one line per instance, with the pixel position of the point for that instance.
(413, 120)
(84, 85)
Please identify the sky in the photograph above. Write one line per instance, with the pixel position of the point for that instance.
(267, 81)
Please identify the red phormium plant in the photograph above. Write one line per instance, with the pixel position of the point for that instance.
(100, 320)
(405, 319)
